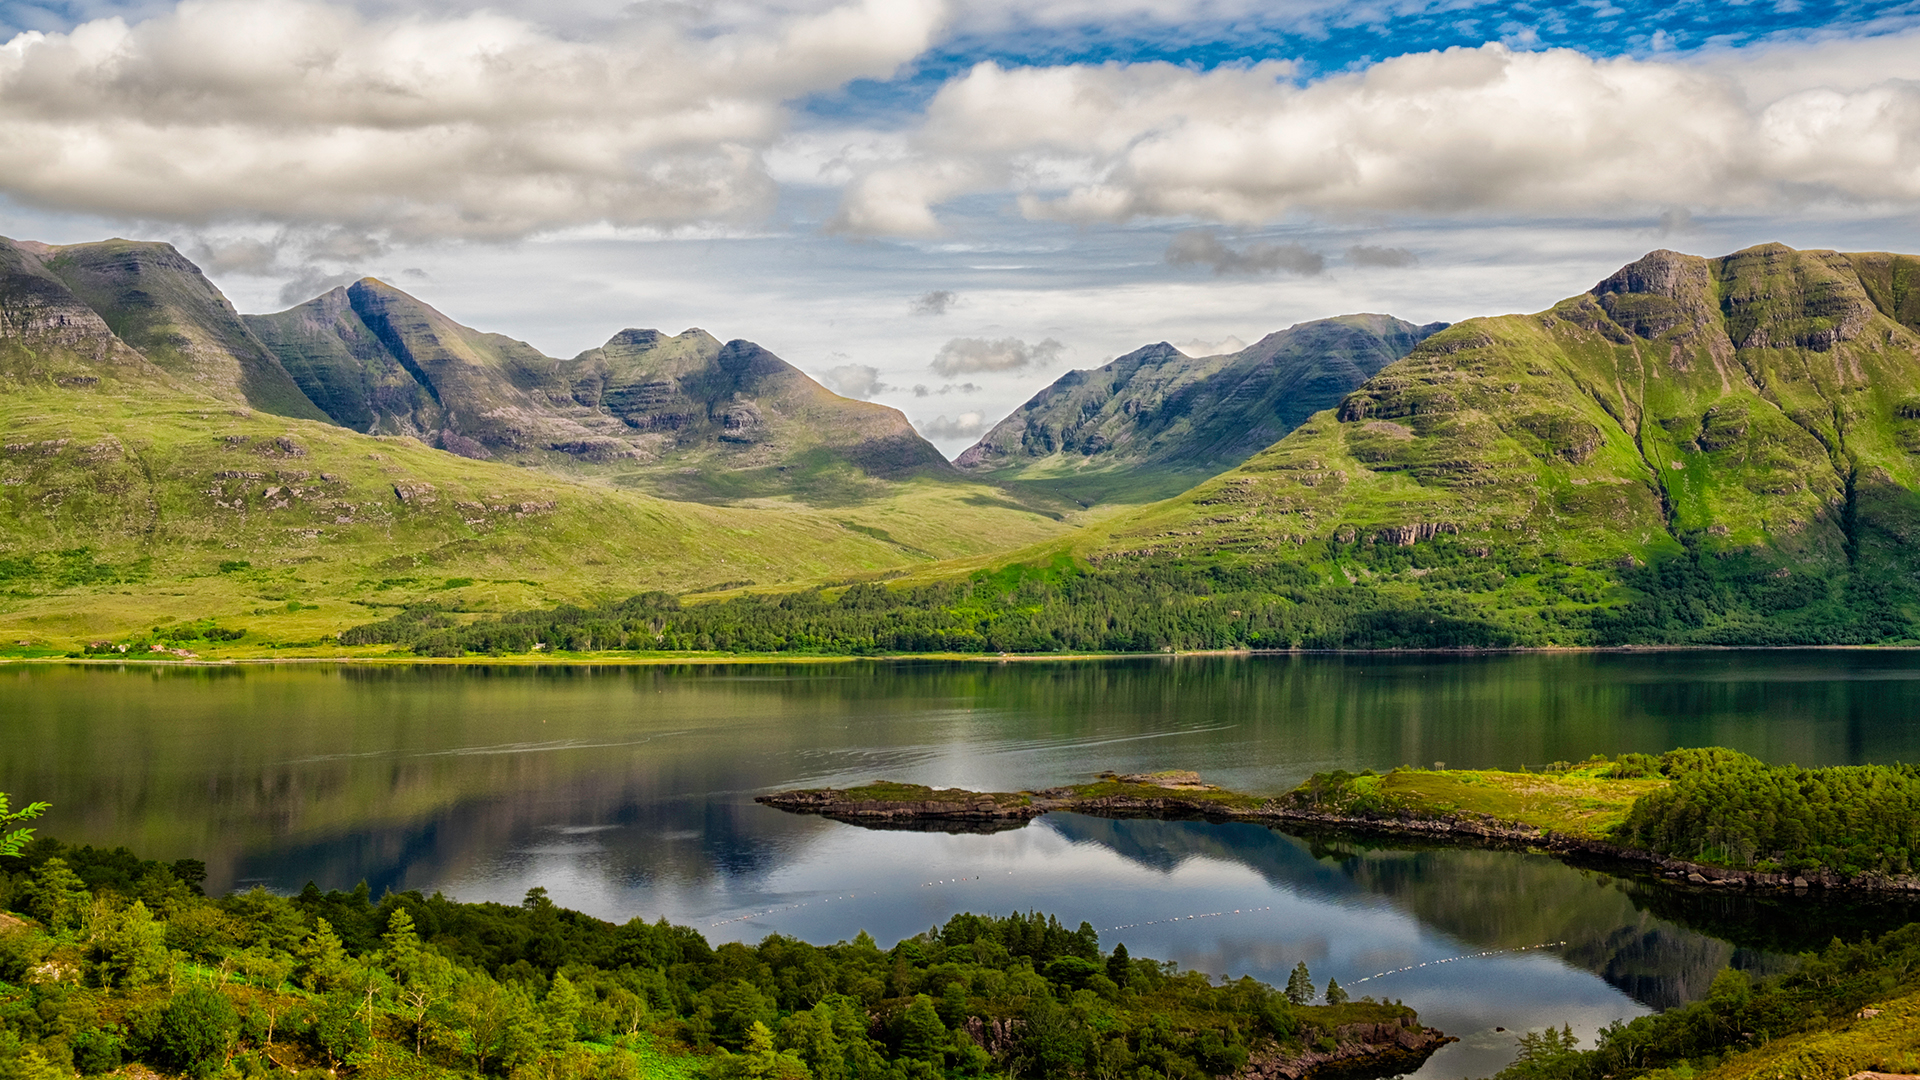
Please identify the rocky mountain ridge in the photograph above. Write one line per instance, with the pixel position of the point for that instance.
(1157, 421)
(682, 415)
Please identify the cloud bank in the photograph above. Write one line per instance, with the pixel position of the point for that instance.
(467, 126)
(463, 122)
(1464, 131)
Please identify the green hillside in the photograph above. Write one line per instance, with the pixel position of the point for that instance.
(138, 493)
(1155, 421)
(681, 416)
(1727, 446)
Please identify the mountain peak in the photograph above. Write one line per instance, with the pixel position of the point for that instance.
(157, 301)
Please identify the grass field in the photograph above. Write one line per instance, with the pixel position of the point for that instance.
(135, 515)
(1580, 801)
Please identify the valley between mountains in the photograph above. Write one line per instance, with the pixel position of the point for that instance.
(1695, 451)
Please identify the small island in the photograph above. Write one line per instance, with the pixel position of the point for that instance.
(1710, 818)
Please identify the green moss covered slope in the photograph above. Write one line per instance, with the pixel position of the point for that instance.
(1731, 443)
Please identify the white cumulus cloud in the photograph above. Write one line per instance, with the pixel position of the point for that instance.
(970, 356)
(967, 425)
(853, 380)
(463, 125)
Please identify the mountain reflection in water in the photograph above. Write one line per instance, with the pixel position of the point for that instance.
(1488, 900)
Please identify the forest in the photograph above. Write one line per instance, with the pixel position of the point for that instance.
(1728, 809)
(1434, 594)
(115, 960)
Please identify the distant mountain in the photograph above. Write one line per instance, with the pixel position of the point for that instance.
(1705, 450)
(683, 415)
(1154, 421)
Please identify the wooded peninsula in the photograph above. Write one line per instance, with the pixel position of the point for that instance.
(1711, 817)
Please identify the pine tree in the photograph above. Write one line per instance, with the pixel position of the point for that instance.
(1335, 995)
(1300, 985)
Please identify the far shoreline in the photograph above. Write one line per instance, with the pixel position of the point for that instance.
(664, 659)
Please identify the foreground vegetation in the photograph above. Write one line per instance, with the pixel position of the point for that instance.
(125, 961)
(1853, 1007)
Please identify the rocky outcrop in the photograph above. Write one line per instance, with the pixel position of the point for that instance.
(1369, 1049)
(965, 811)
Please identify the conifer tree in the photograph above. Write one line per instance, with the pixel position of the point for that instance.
(1300, 985)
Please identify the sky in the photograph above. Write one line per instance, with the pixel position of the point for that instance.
(943, 205)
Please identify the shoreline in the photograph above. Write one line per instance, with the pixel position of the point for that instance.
(964, 811)
(660, 659)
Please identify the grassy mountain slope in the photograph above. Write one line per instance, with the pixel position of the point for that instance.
(158, 302)
(1748, 425)
(685, 416)
(145, 508)
(1155, 421)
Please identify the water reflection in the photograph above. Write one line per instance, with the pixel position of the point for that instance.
(628, 791)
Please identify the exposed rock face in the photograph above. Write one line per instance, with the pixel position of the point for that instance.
(1158, 409)
(645, 405)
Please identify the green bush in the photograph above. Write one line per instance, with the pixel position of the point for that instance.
(195, 1033)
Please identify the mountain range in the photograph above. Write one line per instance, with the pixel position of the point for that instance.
(1694, 450)
(163, 463)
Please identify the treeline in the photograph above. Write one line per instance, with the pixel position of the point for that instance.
(1436, 594)
(1729, 809)
(125, 961)
(1137, 608)
(1826, 989)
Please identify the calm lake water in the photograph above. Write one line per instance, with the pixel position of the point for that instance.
(628, 791)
